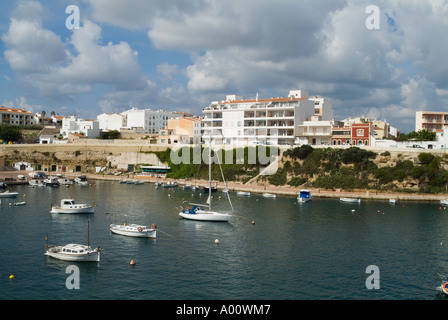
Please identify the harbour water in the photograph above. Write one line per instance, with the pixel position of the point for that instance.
(316, 250)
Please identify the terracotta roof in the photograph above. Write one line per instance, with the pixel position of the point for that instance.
(13, 110)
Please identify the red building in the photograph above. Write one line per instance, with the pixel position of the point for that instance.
(355, 134)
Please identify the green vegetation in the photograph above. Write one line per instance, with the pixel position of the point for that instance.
(328, 168)
(353, 168)
(421, 135)
(9, 133)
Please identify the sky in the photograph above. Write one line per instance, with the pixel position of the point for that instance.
(181, 55)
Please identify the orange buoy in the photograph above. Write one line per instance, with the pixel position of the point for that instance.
(132, 263)
(253, 222)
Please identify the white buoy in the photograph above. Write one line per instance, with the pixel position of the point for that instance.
(217, 241)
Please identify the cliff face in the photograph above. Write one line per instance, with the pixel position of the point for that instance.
(354, 168)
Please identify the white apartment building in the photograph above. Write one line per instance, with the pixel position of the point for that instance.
(147, 120)
(114, 121)
(259, 121)
(88, 128)
(16, 116)
(314, 133)
(434, 121)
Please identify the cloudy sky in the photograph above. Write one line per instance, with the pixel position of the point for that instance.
(183, 54)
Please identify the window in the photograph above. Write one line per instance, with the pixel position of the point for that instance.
(360, 132)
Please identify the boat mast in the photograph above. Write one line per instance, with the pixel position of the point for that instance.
(210, 172)
(88, 233)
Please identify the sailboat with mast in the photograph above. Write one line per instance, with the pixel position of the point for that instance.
(201, 212)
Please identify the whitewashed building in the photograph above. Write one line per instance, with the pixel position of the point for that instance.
(147, 120)
(112, 121)
(88, 128)
(261, 121)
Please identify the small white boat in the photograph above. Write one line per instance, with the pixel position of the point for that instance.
(74, 252)
(243, 194)
(17, 203)
(305, 196)
(134, 230)
(65, 181)
(225, 190)
(444, 202)
(392, 201)
(8, 194)
(82, 180)
(186, 186)
(69, 206)
(350, 200)
(36, 182)
(195, 188)
(170, 184)
(52, 182)
(269, 195)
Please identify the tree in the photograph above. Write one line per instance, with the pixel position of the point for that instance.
(10, 133)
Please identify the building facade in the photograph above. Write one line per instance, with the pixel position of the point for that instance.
(354, 134)
(87, 128)
(259, 121)
(147, 120)
(16, 117)
(111, 121)
(431, 120)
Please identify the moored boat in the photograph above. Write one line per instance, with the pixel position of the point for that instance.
(82, 180)
(444, 202)
(8, 194)
(73, 252)
(36, 182)
(305, 196)
(170, 184)
(350, 200)
(269, 195)
(243, 194)
(134, 230)
(52, 182)
(70, 206)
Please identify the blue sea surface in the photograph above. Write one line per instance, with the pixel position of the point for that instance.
(317, 250)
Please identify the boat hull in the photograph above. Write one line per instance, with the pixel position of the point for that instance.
(200, 215)
(269, 195)
(144, 234)
(89, 209)
(8, 194)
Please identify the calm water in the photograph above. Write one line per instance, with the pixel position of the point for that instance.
(318, 250)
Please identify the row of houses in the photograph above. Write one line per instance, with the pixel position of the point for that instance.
(293, 120)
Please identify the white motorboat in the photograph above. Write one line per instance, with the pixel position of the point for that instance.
(70, 206)
(269, 195)
(36, 182)
(305, 196)
(243, 194)
(392, 201)
(74, 252)
(170, 184)
(82, 180)
(8, 194)
(444, 202)
(65, 181)
(134, 230)
(22, 203)
(52, 181)
(350, 200)
(198, 214)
